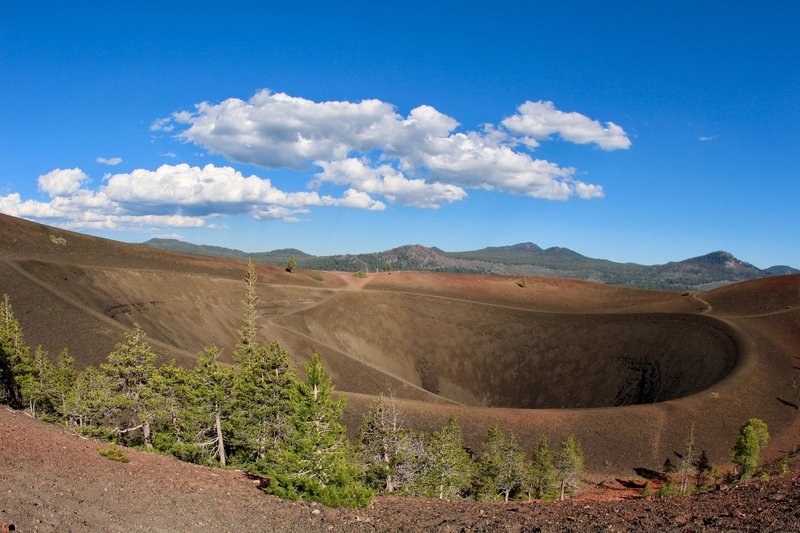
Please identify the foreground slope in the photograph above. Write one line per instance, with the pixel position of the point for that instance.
(55, 481)
(628, 372)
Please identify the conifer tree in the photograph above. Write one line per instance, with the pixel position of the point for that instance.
(211, 388)
(91, 405)
(687, 459)
(61, 381)
(753, 436)
(449, 468)
(703, 468)
(130, 368)
(30, 375)
(246, 347)
(392, 453)
(265, 403)
(501, 466)
(541, 482)
(569, 464)
(15, 355)
(169, 401)
(322, 464)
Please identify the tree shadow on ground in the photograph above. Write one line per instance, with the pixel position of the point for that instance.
(649, 474)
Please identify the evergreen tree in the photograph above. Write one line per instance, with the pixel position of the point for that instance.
(169, 400)
(15, 355)
(265, 403)
(393, 455)
(753, 436)
(703, 468)
(211, 386)
(91, 405)
(501, 466)
(246, 347)
(291, 264)
(541, 482)
(322, 465)
(61, 381)
(569, 464)
(687, 460)
(30, 374)
(449, 468)
(130, 368)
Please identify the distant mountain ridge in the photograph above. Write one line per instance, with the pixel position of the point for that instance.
(697, 273)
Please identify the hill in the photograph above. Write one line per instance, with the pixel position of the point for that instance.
(524, 259)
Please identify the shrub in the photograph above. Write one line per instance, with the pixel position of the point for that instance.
(61, 241)
(523, 283)
(316, 275)
(360, 274)
(114, 453)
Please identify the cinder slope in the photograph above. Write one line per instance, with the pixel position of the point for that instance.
(477, 347)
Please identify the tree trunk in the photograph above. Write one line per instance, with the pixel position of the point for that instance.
(562, 490)
(220, 441)
(146, 430)
(506, 495)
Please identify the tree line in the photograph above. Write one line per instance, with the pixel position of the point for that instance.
(259, 416)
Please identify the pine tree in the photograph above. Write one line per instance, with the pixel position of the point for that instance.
(753, 436)
(322, 465)
(265, 403)
(15, 355)
(392, 453)
(91, 405)
(449, 468)
(291, 264)
(541, 482)
(130, 368)
(211, 388)
(170, 390)
(687, 460)
(61, 381)
(569, 464)
(246, 347)
(703, 468)
(501, 466)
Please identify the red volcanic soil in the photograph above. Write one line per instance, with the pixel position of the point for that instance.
(628, 372)
(55, 481)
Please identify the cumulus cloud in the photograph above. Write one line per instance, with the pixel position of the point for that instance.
(112, 161)
(387, 181)
(422, 159)
(62, 182)
(177, 196)
(540, 120)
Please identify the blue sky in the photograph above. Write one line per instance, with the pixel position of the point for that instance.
(633, 131)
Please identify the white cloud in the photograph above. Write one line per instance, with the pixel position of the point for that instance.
(112, 161)
(540, 120)
(62, 182)
(171, 155)
(389, 182)
(419, 160)
(162, 124)
(178, 196)
(704, 138)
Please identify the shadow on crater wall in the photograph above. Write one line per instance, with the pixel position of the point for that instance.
(502, 357)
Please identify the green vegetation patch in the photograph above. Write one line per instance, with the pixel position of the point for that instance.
(114, 453)
(61, 241)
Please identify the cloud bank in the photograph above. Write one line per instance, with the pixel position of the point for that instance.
(364, 155)
(421, 159)
(176, 196)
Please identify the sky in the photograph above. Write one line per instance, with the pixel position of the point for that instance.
(640, 132)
